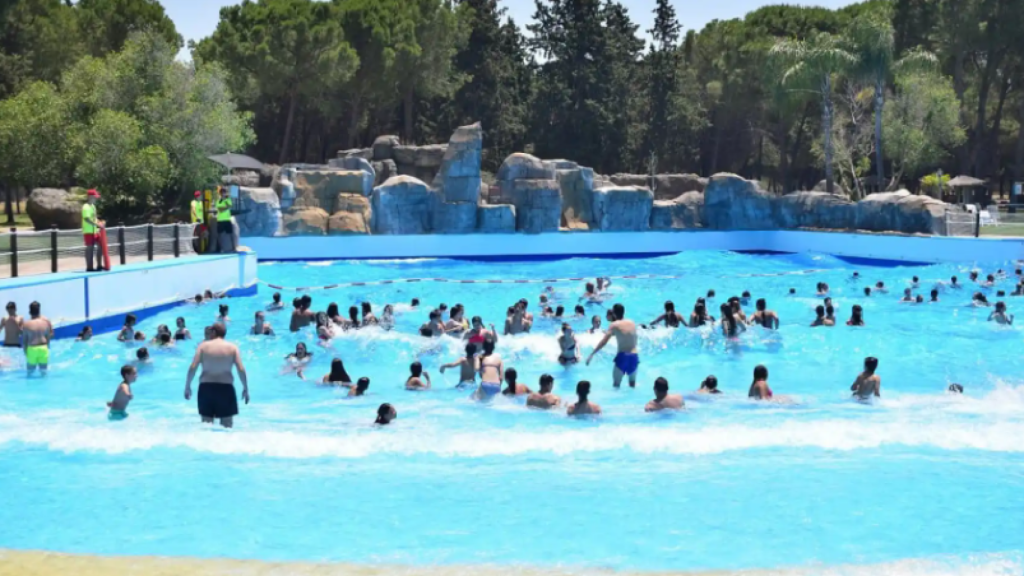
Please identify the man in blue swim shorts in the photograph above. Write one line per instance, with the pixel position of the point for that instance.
(627, 360)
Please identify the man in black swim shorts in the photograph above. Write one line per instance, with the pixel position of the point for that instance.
(216, 396)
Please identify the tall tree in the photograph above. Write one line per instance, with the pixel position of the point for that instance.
(282, 48)
(817, 60)
(874, 46)
(662, 67)
(107, 24)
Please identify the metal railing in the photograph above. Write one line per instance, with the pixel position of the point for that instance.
(960, 222)
(24, 252)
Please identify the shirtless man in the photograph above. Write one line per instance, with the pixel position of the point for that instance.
(12, 327)
(867, 383)
(737, 309)
(671, 318)
(627, 360)
(583, 406)
(216, 397)
(544, 399)
(302, 316)
(467, 366)
(517, 323)
(276, 304)
(36, 333)
(260, 327)
(434, 324)
(662, 399)
(764, 316)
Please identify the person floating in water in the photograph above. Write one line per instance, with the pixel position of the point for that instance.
(385, 414)
(216, 398)
(880, 287)
(275, 303)
(467, 366)
(979, 300)
(36, 333)
(662, 399)
(338, 375)
(759, 389)
(11, 327)
(764, 316)
(867, 384)
(627, 360)
(418, 378)
(583, 405)
(127, 332)
(260, 326)
(123, 395)
(297, 361)
(955, 388)
(1000, 316)
(907, 295)
(512, 387)
(544, 398)
(570, 353)
(671, 318)
(709, 386)
(856, 316)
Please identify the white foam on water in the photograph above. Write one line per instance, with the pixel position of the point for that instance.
(62, 434)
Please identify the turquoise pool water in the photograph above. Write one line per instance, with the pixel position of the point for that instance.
(727, 484)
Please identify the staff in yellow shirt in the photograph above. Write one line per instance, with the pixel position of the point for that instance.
(225, 230)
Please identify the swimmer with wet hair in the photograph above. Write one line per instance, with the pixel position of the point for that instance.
(792, 292)
(142, 357)
(953, 283)
(223, 317)
(830, 315)
(709, 386)
(85, 335)
(583, 405)
(123, 395)
(595, 325)
(819, 320)
(467, 366)
(385, 414)
(765, 317)
(973, 275)
(935, 295)
(1000, 316)
(907, 295)
(915, 282)
(140, 336)
(919, 299)
(867, 291)
(856, 316)
(260, 327)
(298, 360)
(880, 287)
(867, 384)
(276, 303)
(544, 399)
(570, 353)
(127, 332)
(434, 324)
(512, 387)
(579, 312)
(955, 388)
(759, 389)
(418, 378)
(979, 300)
(662, 399)
(671, 318)
(856, 275)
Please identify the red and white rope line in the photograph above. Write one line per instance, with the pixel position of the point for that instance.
(517, 281)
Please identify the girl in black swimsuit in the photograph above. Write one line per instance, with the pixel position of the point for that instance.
(182, 333)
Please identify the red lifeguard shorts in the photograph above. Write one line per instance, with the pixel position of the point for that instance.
(91, 239)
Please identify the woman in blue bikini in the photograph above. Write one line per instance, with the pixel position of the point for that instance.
(491, 369)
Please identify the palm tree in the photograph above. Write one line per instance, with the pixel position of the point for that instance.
(874, 46)
(816, 60)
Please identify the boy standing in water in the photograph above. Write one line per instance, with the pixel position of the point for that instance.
(868, 383)
(119, 405)
(12, 327)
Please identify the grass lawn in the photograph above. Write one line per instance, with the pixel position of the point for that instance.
(1014, 229)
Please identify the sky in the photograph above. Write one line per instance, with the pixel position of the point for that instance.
(196, 19)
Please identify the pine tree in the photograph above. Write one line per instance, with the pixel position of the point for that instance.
(662, 65)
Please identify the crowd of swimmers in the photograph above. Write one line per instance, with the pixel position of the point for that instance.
(218, 358)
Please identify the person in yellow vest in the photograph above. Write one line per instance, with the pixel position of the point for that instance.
(197, 209)
(90, 231)
(225, 229)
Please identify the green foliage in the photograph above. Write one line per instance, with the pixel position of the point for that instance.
(136, 124)
(922, 123)
(930, 184)
(107, 24)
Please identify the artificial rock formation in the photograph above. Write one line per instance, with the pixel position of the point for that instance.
(259, 212)
(901, 211)
(684, 212)
(352, 215)
(815, 210)
(48, 207)
(320, 188)
(496, 219)
(535, 193)
(666, 186)
(305, 222)
(622, 208)
(577, 186)
(402, 205)
(733, 203)
(458, 179)
(421, 162)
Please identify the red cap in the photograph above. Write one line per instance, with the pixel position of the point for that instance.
(93, 193)
(198, 193)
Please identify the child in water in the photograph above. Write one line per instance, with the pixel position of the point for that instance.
(119, 405)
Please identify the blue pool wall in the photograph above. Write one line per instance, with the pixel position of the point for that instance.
(73, 299)
(878, 249)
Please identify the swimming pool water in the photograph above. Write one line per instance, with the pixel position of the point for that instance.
(727, 484)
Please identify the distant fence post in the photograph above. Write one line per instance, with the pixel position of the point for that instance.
(149, 241)
(177, 239)
(14, 252)
(977, 222)
(120, 243)
(53, 249)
